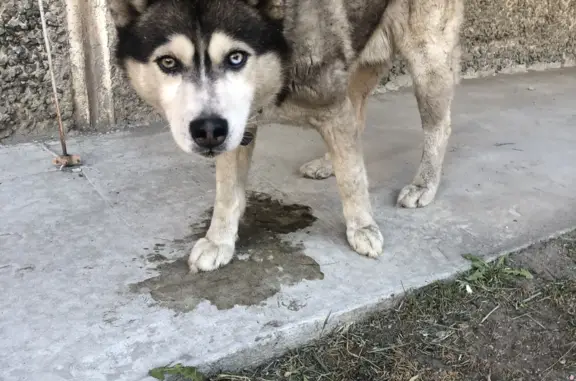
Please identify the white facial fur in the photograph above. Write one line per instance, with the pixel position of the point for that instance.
(228, 94)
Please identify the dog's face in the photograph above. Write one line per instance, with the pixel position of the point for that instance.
(206, 65)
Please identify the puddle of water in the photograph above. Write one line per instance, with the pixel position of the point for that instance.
(265, 260)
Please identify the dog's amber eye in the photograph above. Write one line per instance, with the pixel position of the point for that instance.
(236, 59)
(168, 64)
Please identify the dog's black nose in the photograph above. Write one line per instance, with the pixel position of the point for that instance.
(209, 132)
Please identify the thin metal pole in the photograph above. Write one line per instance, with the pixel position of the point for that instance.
(51, 69)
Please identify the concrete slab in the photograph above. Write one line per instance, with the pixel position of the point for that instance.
(93, 283)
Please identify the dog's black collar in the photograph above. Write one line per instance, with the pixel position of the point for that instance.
(247, 138)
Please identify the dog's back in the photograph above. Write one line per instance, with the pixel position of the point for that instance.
(331, 38)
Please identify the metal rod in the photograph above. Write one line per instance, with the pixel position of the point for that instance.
(51, 69)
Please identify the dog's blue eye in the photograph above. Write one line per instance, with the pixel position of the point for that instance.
(237, 59)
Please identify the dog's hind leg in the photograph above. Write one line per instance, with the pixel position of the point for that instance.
(362, 83)
(216, 249)
(433, 57)
(341, 131)
(318, 169)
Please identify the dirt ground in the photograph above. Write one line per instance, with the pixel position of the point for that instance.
(510, 320)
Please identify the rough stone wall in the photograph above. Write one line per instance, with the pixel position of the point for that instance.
(26, 101)
(499, 34)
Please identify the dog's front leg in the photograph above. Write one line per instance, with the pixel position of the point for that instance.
(217, 247)
(342, 134)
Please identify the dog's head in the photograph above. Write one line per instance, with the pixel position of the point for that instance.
(206, 65)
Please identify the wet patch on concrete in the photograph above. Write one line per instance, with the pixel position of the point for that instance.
(265, 260)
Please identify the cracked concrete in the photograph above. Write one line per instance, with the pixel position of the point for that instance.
(72, 243)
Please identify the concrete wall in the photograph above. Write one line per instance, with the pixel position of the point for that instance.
(498, 36)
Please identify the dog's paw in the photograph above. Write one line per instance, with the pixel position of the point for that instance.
(415, 196)
(366, 241)
(317, 169)
(207, 255)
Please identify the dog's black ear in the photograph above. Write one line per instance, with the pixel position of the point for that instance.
(273, 9)
(125, 11)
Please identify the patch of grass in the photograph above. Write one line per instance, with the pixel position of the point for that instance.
(492, 274)
(497, 321)
(569, 245)
(185, 373)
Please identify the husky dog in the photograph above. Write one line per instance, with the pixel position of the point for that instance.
(219, 69)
